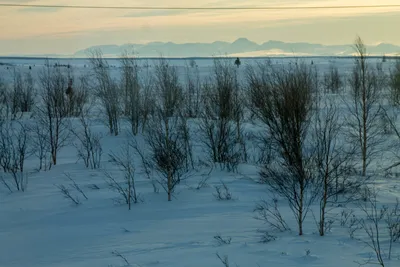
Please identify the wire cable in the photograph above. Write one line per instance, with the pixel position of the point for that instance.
(197, 8)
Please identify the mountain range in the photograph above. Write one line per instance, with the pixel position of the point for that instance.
(241, 47)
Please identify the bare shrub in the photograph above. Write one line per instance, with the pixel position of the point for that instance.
(78, 96)
(4, 101)
(106, 89)
(119, 255)
(271, 215)
(52, 113)
(17, 97)
(282, 98)
(371, 226)
(392, 221)
(22, 95)
(75, 185)
(68, 195)
(331, 159)
(88, 143)
(6, 185)
(376, 216)
(222, 192)
(219, 138)
(14, 148)
(266, 237)
(192, 91)
(94, 187)
(40, 145)
(353, 226)
(332, 81)
(345, 215)
(261, 151)
(224, 260)
(192, 63)
(222, 116)
(132, 89)
(147, 83)
(203, 182)
(223, 240)
(146, 164)
(167, 153)
(391, 121)
(365, 84)
(394, 84)
(167, 135)
(127, 189)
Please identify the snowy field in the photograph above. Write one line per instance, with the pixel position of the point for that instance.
(41, 228)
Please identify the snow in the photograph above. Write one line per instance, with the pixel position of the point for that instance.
(39, 228)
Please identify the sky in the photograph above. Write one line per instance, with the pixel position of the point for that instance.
(64, 31)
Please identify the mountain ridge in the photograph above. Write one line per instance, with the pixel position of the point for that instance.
(238, 47)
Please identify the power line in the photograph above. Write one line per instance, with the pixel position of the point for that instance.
(196, 8)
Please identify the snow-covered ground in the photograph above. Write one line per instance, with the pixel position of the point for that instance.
(40, 228)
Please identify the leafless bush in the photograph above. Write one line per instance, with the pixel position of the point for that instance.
(332, 81)
(4, 101)
(282, 98)
(17, 97)
(147, 96)
(192, 63)
(331, 159)
(364, 193)
(119, 255)
(222, 240)
(40, 145)
(78, 96)
(167, 152)
(271, 215)
(14, 145)
(192, 92)
(132, 89)
(394, 84)
(385, 122)
(261, 151)
(94, 187)
(124, 161)
(6, 185)
(371, 226)
(106, 90)
(224, 260)
(88, 143)
(146, 164)
(22, 95)
(266, 237)
(222, 116)
(203, 182)
(392, 220)
(376, 215)
(75, 185)
(391, 120)
(345, 215)
(67, 194)
(167, 134)
(218, 136)
(222, 192)
(53, 111)
(365, 84)
(353, 226)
